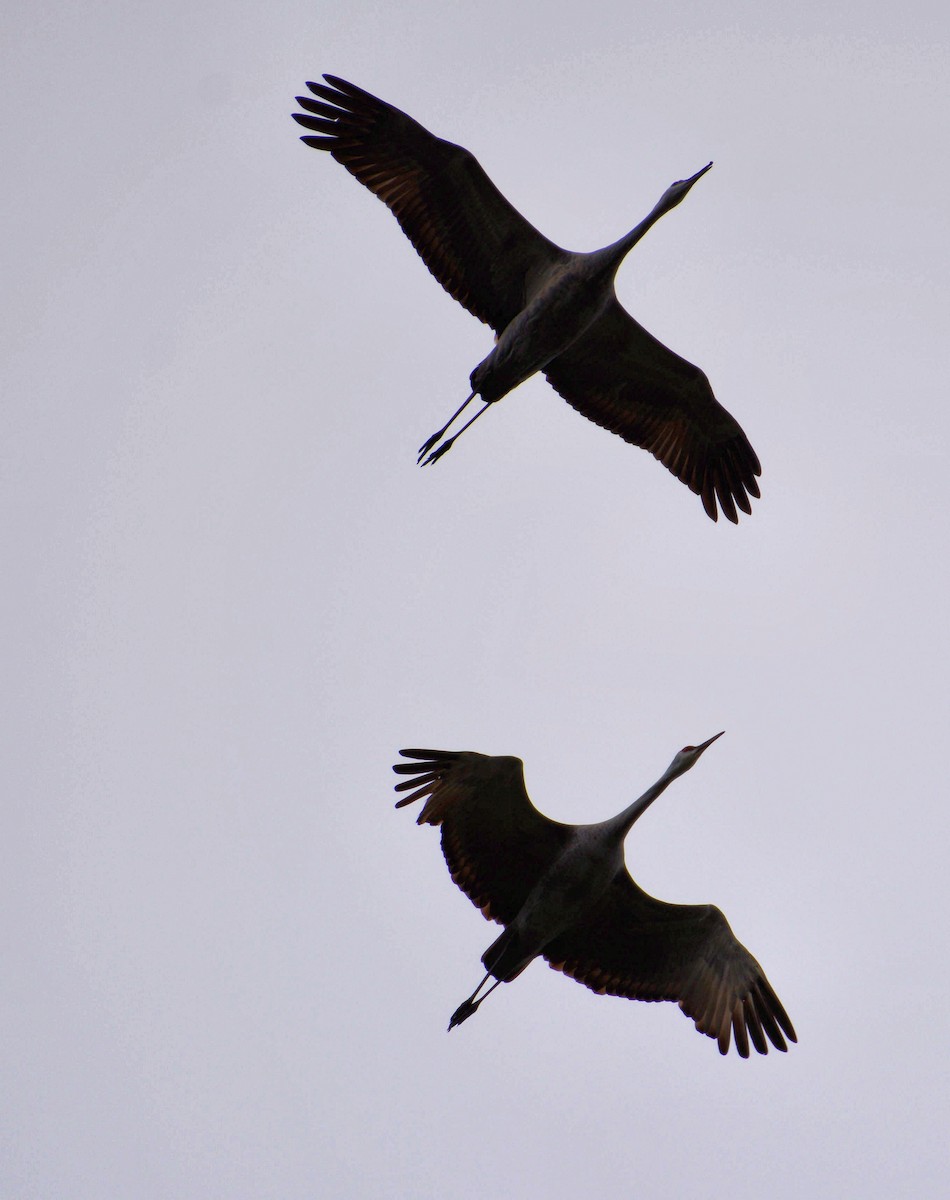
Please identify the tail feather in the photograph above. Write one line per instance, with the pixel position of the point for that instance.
(506, 957)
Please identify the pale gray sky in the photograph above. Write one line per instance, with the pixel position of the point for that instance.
(231, 597)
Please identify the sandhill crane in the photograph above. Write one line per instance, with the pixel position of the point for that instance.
(564, 893)
(553, 310)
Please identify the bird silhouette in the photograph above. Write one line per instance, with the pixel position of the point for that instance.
(553, 310)
(563, 893)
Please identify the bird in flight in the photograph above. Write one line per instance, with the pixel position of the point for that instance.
(563, 893)
(552, 310)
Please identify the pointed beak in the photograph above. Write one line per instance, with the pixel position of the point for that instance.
(692, 179)
(708, 743)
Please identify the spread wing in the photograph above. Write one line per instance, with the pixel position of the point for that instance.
(626, 381)
(632, 945)
(478, 246)
(496, 843)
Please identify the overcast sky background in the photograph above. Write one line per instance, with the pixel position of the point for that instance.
(230, 597)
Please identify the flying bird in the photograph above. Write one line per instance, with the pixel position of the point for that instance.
(563, 893)
(552, 310)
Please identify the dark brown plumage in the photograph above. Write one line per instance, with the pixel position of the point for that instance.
(563, 893)
(554, 310)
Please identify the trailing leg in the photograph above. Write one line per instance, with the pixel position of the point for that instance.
(467, 1007)
(430, 442)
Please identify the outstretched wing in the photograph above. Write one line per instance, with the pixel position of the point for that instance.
(496, 843)
(632, 945)
(478, 246)
(626, 381)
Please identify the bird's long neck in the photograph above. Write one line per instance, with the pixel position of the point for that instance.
(619, 250)
(623, 822)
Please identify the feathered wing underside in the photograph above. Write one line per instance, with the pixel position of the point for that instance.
(623, 379)
(476, 244)
(496, 843)
(635, 946)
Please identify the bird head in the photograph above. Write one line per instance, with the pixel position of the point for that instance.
(676, 191)
(688, 756)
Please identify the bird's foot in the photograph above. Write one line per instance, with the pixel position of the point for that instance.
(436, 454)
(427, 445)
(463, 1012)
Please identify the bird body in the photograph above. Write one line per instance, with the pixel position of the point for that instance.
(566, 302)
(552, 310)
(563, 893)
